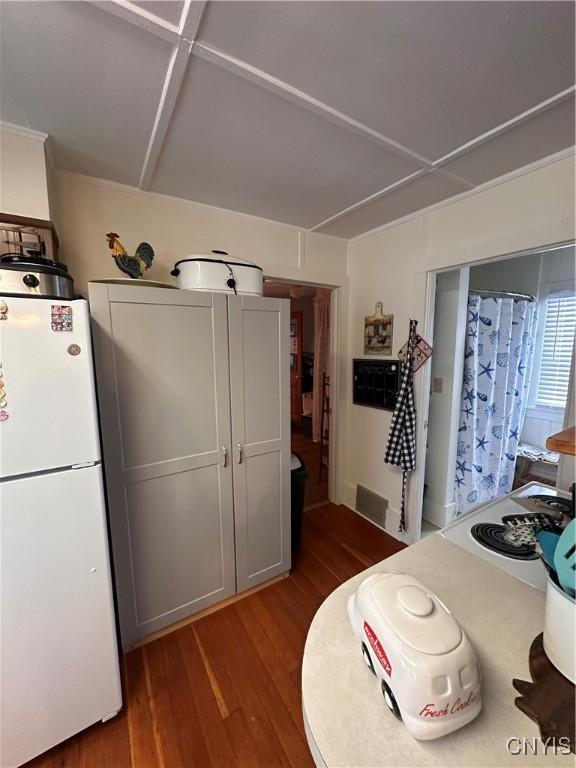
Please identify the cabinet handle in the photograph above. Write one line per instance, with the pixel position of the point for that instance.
(224, 456)
(240, 453)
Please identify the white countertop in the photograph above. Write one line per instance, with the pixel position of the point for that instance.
(348, 723)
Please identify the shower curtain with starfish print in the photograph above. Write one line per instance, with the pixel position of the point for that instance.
(498, 356)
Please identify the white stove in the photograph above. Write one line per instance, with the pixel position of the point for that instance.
(499, 532)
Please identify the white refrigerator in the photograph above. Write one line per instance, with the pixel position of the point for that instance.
(59, 670)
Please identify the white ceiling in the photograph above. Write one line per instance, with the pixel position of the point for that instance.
(333, 116)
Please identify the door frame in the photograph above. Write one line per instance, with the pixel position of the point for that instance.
(336, 422)
(424, 294)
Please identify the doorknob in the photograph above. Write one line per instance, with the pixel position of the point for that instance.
(224, 456)
(240, 452)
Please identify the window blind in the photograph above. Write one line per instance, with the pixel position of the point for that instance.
(557, 346)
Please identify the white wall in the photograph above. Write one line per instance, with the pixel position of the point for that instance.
(450, 315)
(23, 179)
(87, 208)
(524, 211)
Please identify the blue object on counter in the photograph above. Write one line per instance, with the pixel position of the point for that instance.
(565, 559)
(548, 542)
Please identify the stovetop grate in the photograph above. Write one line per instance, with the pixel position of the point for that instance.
(493, 537)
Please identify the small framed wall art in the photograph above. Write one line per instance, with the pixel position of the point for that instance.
(378, 330)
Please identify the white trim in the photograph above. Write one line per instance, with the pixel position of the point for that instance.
(289, 92)
(301, 250)
(190, 19)
(170, 90)
(138, 17)
(370, 199)
(20, 130)
(513, 122)
(557, 157)
(335, 370)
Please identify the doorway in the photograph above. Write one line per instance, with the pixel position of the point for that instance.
(310, 408)
(499, 385)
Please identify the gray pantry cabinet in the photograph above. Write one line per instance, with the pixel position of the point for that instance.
(193, 393)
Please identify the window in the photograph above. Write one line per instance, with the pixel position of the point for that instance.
(557, 347)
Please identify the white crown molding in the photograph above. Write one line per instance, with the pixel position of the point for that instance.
(20, 130)
(557, 157)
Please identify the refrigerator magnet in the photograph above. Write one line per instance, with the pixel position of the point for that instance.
(4, 415)
(61, 318)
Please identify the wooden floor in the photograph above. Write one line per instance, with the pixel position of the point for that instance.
(316, 490)
(225, 691)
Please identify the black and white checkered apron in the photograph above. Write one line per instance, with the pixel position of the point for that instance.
(401, 448)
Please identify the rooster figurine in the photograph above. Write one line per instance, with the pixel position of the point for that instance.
(133, 266)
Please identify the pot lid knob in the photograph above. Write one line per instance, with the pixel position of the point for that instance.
(415, 601)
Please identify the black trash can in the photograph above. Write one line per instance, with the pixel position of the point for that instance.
(298, 477)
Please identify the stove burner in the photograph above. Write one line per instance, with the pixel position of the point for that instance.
(493, 536)
(555, 503)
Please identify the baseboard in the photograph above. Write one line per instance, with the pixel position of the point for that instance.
(436, 513)
(201, 614)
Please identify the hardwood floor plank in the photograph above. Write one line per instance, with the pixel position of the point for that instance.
(216, 738)
(272, 659)
(181, 741)
(268, 620)
(226, 690)
(142, 730)
(291, 736)
(245, 750)
(307, 565)
(216, 690)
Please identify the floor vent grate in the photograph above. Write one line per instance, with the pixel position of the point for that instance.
(371, 505)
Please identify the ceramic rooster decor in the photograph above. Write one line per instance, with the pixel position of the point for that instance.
(133, 266)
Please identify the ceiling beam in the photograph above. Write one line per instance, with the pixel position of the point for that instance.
(370, 199)
(289, 92)
(175, 74)
(191, 17)
(503, 127)
(139, 17)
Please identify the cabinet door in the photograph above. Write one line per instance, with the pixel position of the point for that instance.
(163, 384)
(260, 397)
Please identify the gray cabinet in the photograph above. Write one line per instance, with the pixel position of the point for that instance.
(196, 453)
(260, 396)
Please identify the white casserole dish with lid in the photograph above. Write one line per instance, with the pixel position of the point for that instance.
(218, 272)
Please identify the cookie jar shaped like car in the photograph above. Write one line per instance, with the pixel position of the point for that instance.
(414, 645)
